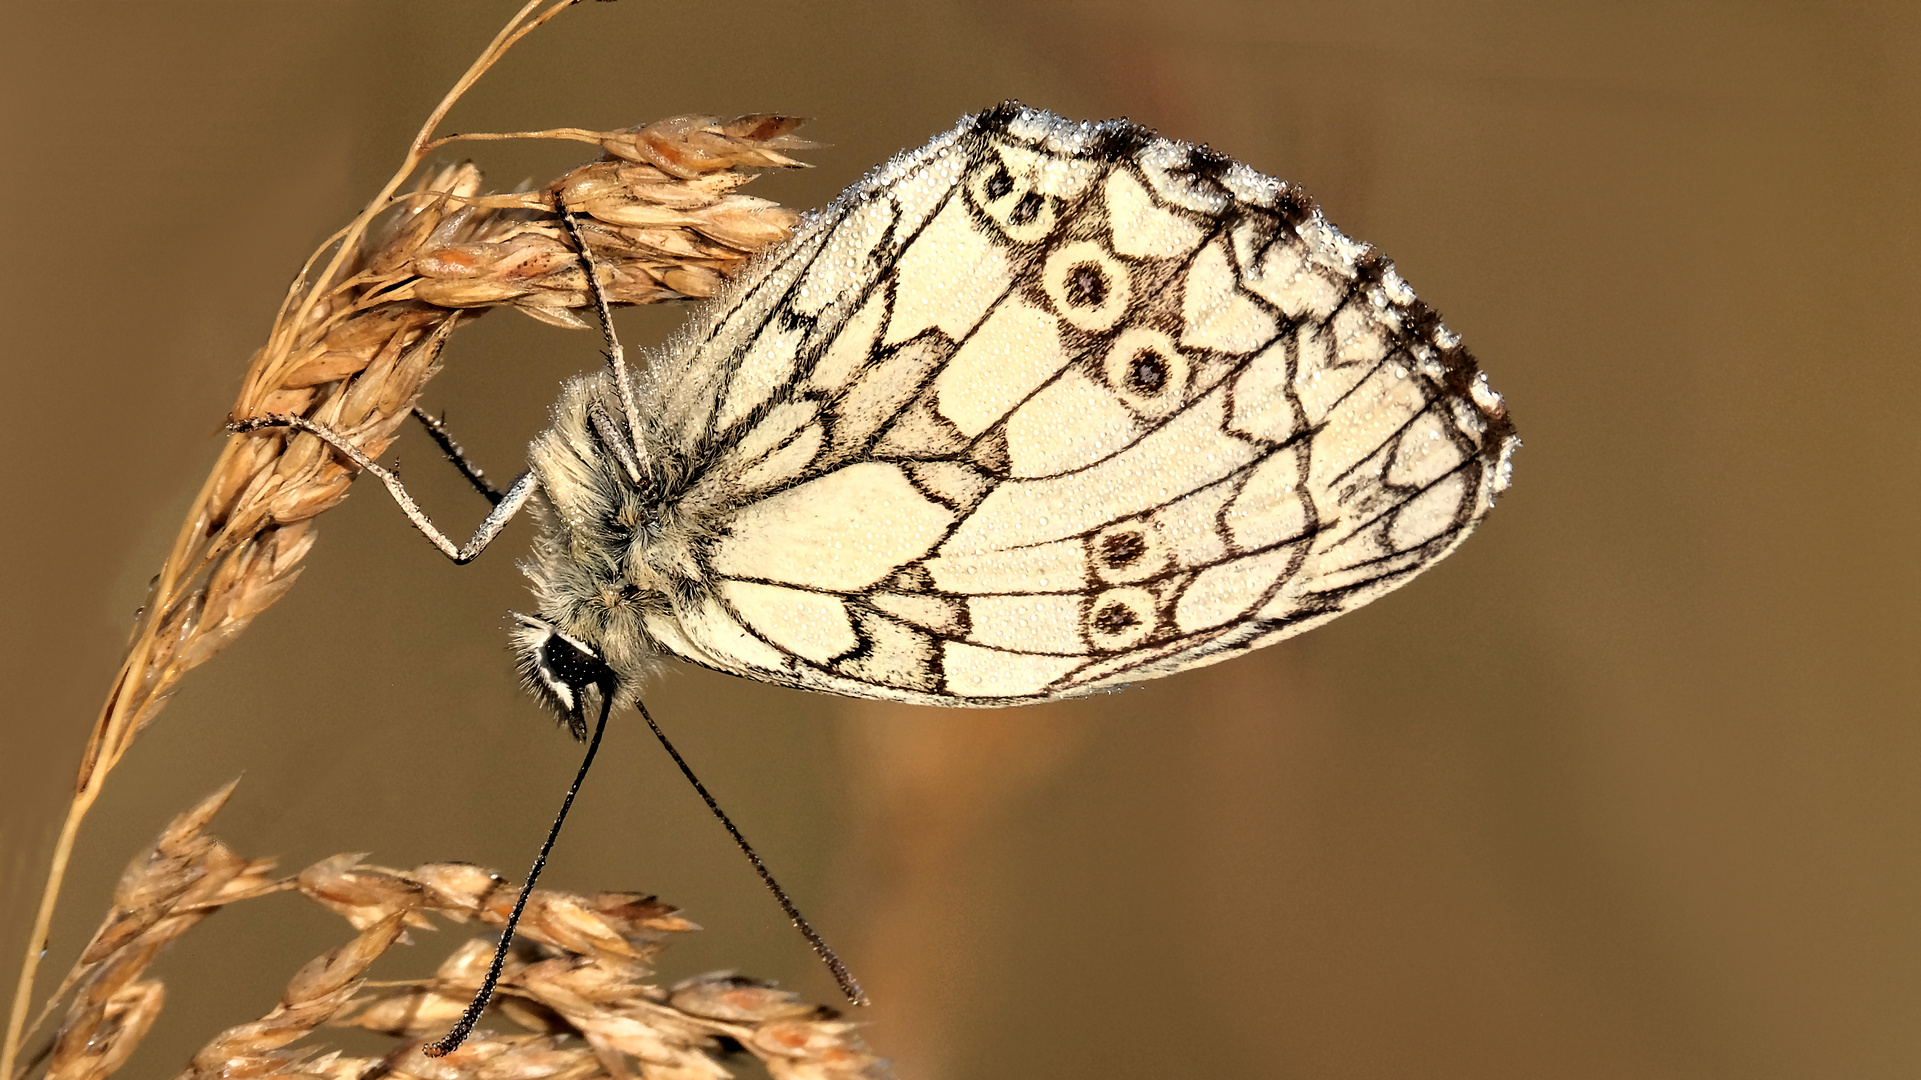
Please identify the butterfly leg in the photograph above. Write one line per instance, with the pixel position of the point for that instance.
(437, 431)
(511, 501)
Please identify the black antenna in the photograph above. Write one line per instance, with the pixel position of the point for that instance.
(616, 360)
(468, 1019)
(595, 673)
(848, 984)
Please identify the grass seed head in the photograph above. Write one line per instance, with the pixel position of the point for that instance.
(580, 991)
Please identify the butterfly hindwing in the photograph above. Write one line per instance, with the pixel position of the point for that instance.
(1043, 408)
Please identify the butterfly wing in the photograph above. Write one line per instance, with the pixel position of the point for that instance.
(1044, 408)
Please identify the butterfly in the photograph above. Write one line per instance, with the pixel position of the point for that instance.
(1040, 409)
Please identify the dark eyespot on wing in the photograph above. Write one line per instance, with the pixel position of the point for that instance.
(1147, 373)
(1087, 285)
(1122, 549)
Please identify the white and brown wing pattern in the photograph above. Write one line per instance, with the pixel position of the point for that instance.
(1047, 407)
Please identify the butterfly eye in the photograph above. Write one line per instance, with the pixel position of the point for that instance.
(561, 669)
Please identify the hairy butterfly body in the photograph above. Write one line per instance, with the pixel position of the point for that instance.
(1039, 409)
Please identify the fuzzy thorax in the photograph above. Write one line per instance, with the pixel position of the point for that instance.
(605, 560)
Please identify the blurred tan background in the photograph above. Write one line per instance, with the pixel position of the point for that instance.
(1626, 788)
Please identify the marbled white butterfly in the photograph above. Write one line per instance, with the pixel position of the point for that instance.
(1039, 409)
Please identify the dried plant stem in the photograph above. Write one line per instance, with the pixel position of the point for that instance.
(354, 343)
(520, 25)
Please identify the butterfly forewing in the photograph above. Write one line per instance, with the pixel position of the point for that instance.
(1045, 407)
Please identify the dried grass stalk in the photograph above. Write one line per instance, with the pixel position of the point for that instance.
(362, 330)
(578, 989)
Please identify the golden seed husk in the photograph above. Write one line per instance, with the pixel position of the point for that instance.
(580, 989)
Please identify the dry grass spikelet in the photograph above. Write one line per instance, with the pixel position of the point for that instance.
(577, 990)
(166, 891)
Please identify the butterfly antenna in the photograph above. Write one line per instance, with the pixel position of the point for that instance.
(452, 1040)
(849, 985)
(616, 356)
